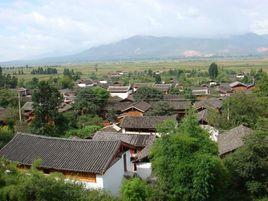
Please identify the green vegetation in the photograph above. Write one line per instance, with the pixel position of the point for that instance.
(16, 185)
(46, 100)
(148, 94)
(213, 71)
(187, 165)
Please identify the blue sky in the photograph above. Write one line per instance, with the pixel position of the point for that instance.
(35, 28)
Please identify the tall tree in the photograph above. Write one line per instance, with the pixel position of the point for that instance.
(213, 70)
(158, 79)
(248, 168)
(148, 94)
(46, 101)
(187, 166)
(91, 100)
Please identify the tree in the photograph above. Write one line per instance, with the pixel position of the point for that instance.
(213, 71)
(91, 100)
(236, 112)
(262, 85)
(135, 190)
(67, 82)
(248, 168)
(187, 165)
(148, 94)
(161, 108)
(16, 185)
(157, 78)
(46, 101)
(6, 134)
(8, 98)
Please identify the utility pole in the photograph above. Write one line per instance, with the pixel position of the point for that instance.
(19, 105)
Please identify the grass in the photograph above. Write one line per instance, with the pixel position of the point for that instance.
(105, 68)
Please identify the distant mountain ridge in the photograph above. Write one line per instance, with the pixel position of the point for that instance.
(152, 47)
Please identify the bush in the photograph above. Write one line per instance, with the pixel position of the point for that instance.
(6, 134)
(135, 190)
(85, 132)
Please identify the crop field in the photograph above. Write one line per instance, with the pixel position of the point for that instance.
(106, 68)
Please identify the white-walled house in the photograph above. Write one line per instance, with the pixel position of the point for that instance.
(120, 91)
(95, 164)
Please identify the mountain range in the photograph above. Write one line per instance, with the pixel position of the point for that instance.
(152, 47)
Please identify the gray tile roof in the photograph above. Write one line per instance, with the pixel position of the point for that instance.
(146, 150)
(118, 89)
(232, 139)
(62, 154)
(144, 122)
(209, 103)
(132, 139)
(141, 106)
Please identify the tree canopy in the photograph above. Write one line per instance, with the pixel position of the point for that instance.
(46, 101)
(213, 70)
(148, 94)
(187, 165)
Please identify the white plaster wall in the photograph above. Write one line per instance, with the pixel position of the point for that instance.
(144, 170)
(121, 95)
(113, 177)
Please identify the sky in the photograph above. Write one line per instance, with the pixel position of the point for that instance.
(40, 28)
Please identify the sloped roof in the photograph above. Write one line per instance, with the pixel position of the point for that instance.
(118, 89)
(132, 139)
(139, 85)
(170, 97)
(214, 103)
(141, 106)
(232, 139)
(146, 122)
(162, 87)
(203, 115)
(237, 83)
(62, 154)
(146, 150)
(28, 106)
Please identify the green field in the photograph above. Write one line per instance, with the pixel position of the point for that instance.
(105, 68)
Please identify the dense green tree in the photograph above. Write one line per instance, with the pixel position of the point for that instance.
(158, 79)
(248, 168)
(236, 112)
(33, 185)
(161, 108)
(46, 101)
(8, 98)
(262, 85)
(84, 132)
(67, 83)
(187, 165)
(148, 94)
(91, 100)
(213, 71)
(135, 190)
(6, 134)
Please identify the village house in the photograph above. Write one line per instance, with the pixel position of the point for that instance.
(163, 87)
(85, 83)
(95, 164)
(23, 91)
(136, 86)
(28, 110)
(231, 140)
(241, 87)
(144, 125)
(201, 93)
(135, 109)
(211, 103)
(68, 95)
(224, 89)
(120, 91)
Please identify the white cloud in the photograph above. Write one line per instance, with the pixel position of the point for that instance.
(29, 28)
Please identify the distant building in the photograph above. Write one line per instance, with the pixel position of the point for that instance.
(143, 124)
(163, 87)
(85, 83)
(241, 87)
(120, 91)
